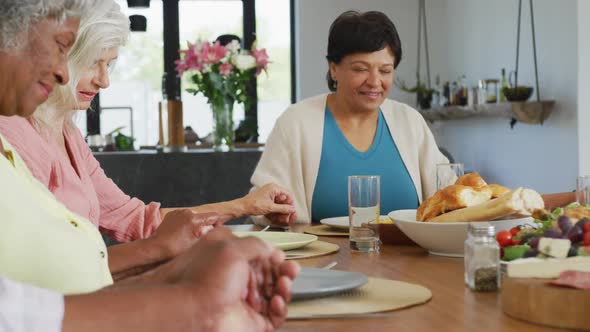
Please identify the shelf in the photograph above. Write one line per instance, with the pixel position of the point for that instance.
(525, 112)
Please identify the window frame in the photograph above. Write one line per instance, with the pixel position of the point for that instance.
(172, 87)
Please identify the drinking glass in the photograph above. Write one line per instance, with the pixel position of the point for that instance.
(583, 189)
(447, 174)
(363, 212)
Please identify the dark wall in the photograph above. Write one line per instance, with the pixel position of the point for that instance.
(181, 179)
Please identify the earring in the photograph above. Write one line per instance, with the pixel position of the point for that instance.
(335, 83)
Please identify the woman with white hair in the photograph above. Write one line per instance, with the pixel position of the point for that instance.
(217, 285)
(58, 157)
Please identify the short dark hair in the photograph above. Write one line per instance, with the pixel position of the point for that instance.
(356, 32)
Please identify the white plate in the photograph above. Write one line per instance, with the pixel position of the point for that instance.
(311, 282)
(336, 222)
(444, 238)
(340, 222)
(282, 240)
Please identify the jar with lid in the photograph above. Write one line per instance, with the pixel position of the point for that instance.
(489, 89)
(482, 258)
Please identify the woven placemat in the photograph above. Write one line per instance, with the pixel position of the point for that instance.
(324, 230)
(377, 295)
(314, 249)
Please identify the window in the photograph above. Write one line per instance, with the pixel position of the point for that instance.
(136, 83)
(274, 89)
(206, 20)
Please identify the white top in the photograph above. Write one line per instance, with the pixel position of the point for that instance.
(25, 308)
(293, 150)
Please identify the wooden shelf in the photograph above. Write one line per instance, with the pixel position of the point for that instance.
(526, 112)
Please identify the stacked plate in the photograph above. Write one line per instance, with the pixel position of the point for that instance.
(313, 282)
(282, 240)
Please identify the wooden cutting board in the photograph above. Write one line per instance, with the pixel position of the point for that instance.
(535, 301)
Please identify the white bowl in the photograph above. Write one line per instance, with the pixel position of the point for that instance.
(444, 238)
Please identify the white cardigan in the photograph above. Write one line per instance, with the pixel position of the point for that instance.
(293, 150)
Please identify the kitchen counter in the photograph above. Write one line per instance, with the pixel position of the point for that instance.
(177, 179)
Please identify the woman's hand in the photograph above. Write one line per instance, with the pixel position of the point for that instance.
(246, 283)
(273, 202)
(181, 229)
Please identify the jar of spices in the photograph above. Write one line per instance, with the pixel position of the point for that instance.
(489, 90)
(482, 258)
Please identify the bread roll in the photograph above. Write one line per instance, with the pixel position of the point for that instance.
(500, 207)
(497, 190)
(471, 180)
(517, 203)
(451, 198)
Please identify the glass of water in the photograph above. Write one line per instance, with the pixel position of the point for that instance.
(583, 189)
(447, 174)
(363, 212)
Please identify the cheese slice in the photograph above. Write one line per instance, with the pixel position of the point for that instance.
(556, 248)
(548, 268)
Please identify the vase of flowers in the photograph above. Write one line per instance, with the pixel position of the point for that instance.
(221, 74)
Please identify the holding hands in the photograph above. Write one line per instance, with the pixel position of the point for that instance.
(273, 202)
(245, 282)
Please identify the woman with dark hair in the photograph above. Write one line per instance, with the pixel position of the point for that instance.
(354, 130)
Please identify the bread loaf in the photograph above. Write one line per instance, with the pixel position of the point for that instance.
(497, 190)
(521, 202)
(471, 180)
(451, 198)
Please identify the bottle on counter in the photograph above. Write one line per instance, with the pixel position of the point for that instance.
(503, 85)
(482, 258)
(436, 95)
(163, 116)
(462, 91)
(453, 93)
(446, 100)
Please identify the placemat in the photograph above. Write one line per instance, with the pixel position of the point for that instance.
(314, 249)
(377, 295)
(324, 230)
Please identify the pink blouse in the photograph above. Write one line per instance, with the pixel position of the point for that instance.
(79, 182)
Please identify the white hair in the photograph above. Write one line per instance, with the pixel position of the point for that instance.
(102, 28)
(16, 17)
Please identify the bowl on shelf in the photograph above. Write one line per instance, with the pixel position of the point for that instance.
(519, 93)
(444, 238)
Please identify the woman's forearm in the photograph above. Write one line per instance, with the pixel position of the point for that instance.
(135, 257)
(226, 210)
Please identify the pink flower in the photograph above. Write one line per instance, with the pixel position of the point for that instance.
(261, 60)
(189, 59)
(225, 68)
(212, 54)
(181, 67)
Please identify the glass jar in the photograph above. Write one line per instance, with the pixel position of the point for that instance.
(482, 258)
(489, 89)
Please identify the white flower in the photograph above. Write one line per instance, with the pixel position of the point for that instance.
(233, 46)
(206, 68)
(244, 61)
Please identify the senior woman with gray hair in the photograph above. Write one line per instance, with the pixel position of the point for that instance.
(41, 241)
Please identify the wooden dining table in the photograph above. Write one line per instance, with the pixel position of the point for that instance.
(453, 306)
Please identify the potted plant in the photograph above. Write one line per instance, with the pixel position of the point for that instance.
(423, 93)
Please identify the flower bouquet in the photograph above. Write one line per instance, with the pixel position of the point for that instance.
(221, 74)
